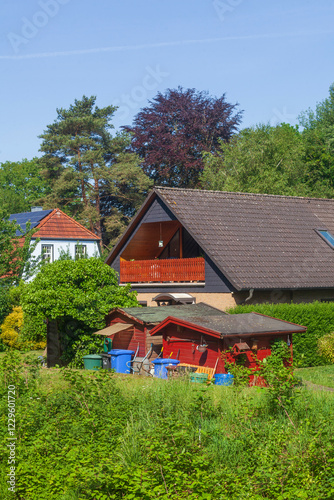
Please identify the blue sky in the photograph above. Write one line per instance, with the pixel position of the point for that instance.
(274, 58)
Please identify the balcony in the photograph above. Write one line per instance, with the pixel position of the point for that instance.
(163, 270)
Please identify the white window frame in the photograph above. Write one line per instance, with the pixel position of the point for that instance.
(47, 255)
(82, 254)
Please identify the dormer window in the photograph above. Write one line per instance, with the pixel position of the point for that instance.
(327, 236)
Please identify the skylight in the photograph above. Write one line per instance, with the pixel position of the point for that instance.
(327, 236)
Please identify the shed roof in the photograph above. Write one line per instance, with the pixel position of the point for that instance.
(257, 241)
(186, 311)
(236, 324)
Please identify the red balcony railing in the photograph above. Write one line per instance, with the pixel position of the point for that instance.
(160, 271)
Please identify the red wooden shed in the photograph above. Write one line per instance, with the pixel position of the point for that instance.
(202, 341)
(196, 334)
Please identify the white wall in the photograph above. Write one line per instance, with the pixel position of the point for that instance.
(67, 245)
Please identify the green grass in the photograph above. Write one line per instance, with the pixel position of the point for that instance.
(25, 353)
(87, 435)
(320, 375)
(99, 436)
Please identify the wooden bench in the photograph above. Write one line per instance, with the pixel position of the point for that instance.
(200, 369)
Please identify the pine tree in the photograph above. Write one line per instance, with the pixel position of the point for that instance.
(93, 178)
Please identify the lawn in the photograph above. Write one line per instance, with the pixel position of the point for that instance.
(320, 375)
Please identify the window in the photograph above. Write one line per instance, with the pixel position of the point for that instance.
(327, 236)
(80, 251)
(47, 252)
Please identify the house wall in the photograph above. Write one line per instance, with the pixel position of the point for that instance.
(180, 342)
(221, 301)
(67, 245)
(284, 296)
(215, 282)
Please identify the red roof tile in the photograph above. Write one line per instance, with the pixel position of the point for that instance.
(58, 225)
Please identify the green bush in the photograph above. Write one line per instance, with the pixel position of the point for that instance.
(100, 436)
(5, 305)
(318, 317)
(326, 347)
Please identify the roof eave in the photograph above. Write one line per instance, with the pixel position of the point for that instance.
(186, 324)
(123, 238)
(201, 243)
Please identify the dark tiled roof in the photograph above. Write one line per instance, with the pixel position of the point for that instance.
(211, 318)
(243, 324)
(186, 311)
(259, 241)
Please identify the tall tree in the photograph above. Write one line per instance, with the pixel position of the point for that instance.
(262, 159)
(171, 134)
(87, 166)
(21, 184)
(318, 135)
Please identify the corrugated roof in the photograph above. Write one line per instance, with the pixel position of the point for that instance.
(114, 328)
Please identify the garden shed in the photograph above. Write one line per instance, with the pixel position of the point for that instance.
(206, 340)
(196, 334)
(130, 328)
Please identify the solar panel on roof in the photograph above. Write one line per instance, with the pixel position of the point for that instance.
(23, 218)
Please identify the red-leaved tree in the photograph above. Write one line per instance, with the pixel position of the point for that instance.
(173, 132)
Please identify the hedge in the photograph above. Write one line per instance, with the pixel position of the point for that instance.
(318, 317)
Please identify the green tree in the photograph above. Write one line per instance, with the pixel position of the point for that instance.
(262, 159)
(92, 175)
(318, 136)
(83, 290)
(21, 184)
(16, 249)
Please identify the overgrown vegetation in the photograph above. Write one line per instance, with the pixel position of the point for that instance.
(326, 347)
(98, 436)
(320, 375)
(318, 317)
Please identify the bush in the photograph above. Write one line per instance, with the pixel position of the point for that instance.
(5, 307)
(326, 347)
(13, 332)
(318, 317)
(12, 327)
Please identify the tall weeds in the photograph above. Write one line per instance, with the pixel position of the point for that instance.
(96, 436)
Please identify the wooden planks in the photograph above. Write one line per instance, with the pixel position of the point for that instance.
(164, 270)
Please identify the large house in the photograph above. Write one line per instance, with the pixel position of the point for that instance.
(223, 248)
(57, 233)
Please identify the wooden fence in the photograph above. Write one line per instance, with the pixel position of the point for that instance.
(160, 271)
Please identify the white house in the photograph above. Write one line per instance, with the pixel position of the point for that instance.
(57, 233)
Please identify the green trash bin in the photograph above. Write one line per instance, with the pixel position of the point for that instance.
(200, 378)
(92, 362)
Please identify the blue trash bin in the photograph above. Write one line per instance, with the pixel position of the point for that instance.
(160, 366)
(223, 379)
(120, 360)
